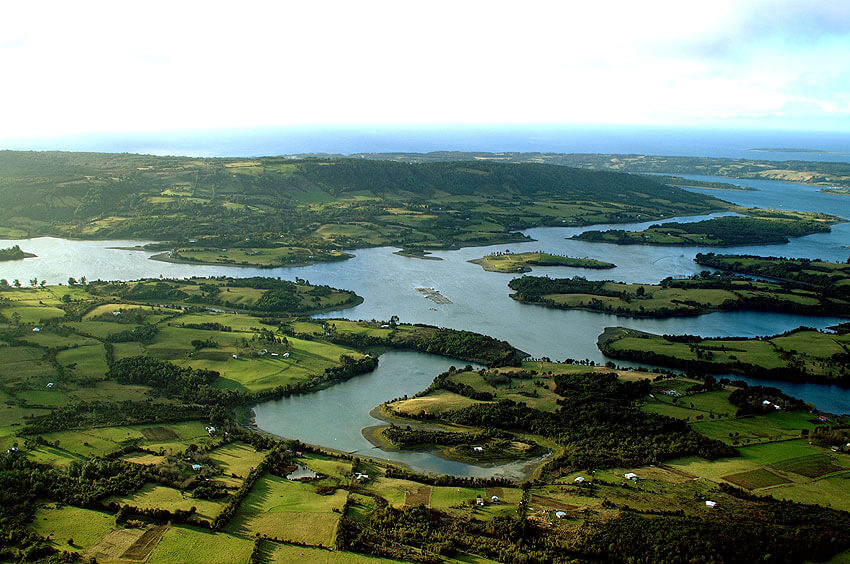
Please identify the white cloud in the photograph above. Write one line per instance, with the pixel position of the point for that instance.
(114, 66)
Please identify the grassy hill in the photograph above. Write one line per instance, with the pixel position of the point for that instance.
(316, 203)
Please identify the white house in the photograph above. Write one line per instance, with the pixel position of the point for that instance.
(236, 356)
(286, 355)
(495, 499)
(35, 329)
(630, 476)
(50, 384)
(477, 449)
(560, 514)
(579, 480)
(196, 467)
(709, 503)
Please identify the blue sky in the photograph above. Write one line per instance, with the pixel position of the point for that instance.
(81, 67)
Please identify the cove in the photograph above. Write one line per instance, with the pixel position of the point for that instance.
(335, 417)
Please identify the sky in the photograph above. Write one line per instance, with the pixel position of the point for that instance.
(72, 68)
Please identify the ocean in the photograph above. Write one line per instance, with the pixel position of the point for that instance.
(346, 140)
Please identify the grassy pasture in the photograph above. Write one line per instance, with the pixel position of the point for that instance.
(289, 510)
(392, 489)
(280, 553)
(88, 361)
(84, 526)
(770, 456)
(830, 492)
(235, 458)
(436, 402)
(188, 545)
(326, 466)
(781, 425)
(157, 496)
(537, 392)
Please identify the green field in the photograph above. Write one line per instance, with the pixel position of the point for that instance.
(83, 526)
(156, 496)
(236, 458)
(288, 510)
(280, 553)
(189, 545)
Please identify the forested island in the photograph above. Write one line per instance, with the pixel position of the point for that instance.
(758, 227)
(803, 355)
(696, 295)
(14, 253)
(522, 262)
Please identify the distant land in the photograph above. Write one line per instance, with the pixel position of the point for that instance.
(828, 174)
(785, 150)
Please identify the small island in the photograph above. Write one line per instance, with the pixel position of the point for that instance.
(14, 253)
(757, 227)
(271, 257)
(522, 262)
(416, 253)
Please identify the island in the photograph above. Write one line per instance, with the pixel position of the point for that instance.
(14, 253)
(416, 253)
(271, 256)
(803, 355)
(696, 295)
(521, 262)
(758, 227)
